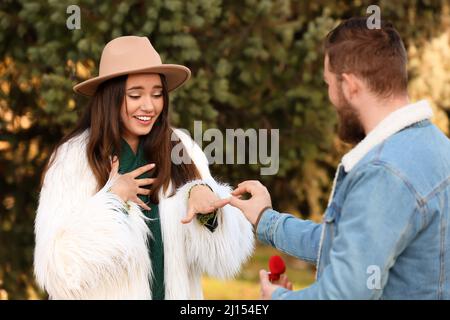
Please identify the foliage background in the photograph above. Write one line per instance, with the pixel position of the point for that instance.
(255, 64)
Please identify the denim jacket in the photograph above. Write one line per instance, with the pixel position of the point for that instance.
(385, 233)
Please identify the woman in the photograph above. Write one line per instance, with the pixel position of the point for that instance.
(117, 219)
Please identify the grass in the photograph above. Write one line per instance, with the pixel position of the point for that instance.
(246, 285)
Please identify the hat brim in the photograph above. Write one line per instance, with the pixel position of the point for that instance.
(176, 75)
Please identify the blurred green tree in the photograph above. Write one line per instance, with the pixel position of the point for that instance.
(256, 64)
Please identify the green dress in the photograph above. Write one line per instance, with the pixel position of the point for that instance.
(129, 162)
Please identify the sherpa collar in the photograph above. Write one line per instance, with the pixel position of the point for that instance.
(390, 125)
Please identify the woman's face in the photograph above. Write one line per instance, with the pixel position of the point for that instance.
(142, 105)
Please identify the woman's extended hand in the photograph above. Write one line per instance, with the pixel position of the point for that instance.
(127, 186)
(202, 200)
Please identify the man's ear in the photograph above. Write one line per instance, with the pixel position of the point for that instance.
(351, 85)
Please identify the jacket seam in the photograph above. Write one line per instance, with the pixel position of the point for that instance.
(445, 183)
(420, 201)
(380, 149)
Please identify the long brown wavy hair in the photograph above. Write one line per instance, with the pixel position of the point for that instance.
(102, 118)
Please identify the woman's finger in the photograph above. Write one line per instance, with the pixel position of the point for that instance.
(141, 203)
(137, 172)
(143, 191)
(206, 209)
(220, 203)
(145, 181)
(190, 215)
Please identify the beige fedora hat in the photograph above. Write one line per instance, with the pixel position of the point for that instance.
(131, 54)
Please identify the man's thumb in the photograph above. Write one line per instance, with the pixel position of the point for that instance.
(236, 202)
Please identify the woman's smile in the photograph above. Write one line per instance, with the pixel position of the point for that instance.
(144, 120)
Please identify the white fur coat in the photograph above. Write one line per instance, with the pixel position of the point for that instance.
(88, 248)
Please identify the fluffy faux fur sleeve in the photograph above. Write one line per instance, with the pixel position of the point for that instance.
(87, 246)
(222, 252)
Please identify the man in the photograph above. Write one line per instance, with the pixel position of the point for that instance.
(386, 231)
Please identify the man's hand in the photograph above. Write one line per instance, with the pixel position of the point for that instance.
(267, 287)
(252, 207)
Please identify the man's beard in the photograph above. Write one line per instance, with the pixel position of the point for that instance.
(350, 129)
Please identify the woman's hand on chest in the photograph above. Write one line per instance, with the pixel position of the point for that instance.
(128, 186)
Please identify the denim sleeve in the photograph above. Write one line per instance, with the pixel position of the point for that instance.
(378, 220)
(296, 237)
